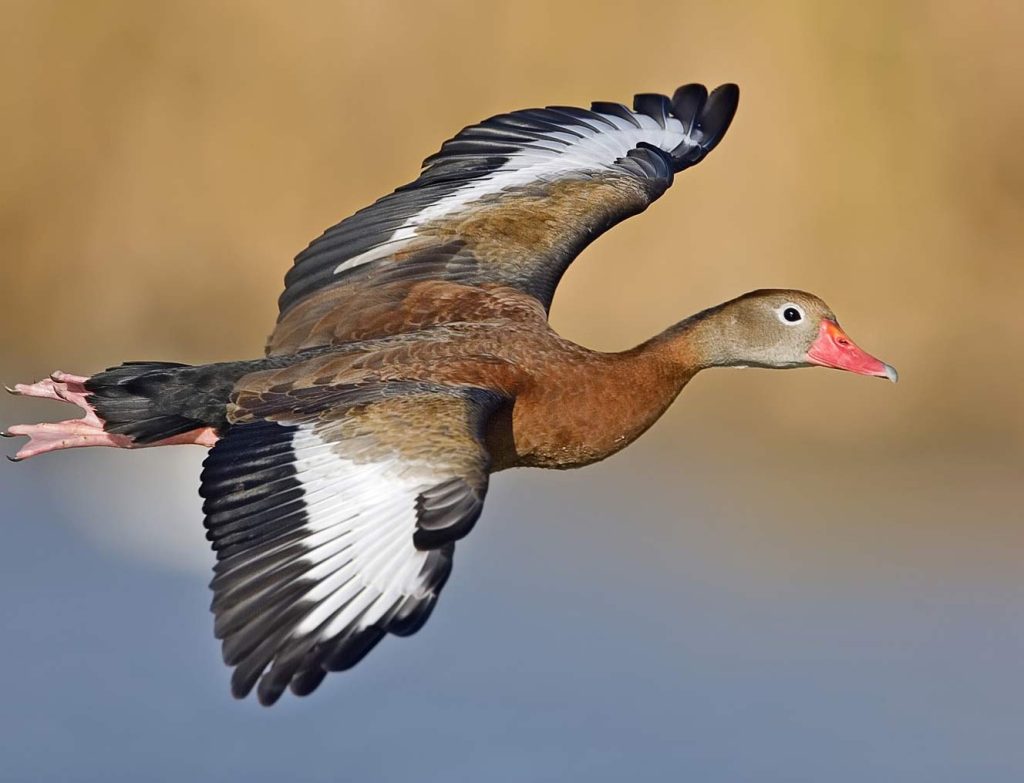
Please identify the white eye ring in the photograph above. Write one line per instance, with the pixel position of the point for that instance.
(786, 313)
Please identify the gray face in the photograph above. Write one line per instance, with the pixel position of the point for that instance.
(771, 328)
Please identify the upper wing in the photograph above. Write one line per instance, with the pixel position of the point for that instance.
(334, 512)
(510, 202)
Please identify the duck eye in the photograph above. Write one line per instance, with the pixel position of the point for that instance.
(790, 314)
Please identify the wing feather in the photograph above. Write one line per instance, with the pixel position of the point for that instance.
(334, 522)
(510, 201)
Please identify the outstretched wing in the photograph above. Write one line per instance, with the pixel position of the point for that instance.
(334, 526)
(508, 202)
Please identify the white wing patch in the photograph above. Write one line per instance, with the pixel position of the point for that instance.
(361, 518)
(588, 150)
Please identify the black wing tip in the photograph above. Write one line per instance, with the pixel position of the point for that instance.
(303, 668)
(719, 111)
(303, 675)
(705, 116)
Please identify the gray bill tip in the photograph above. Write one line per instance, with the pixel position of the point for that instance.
(891, 374)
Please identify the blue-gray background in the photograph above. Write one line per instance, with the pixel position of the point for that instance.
(797, 576)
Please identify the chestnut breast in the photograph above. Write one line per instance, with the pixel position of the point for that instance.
(578, 407)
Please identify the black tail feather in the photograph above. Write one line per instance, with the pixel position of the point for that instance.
(130, 400)
(152, 401)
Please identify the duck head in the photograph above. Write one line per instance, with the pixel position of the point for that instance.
(780, 329)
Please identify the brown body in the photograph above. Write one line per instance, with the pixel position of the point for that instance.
(567, 405)
(412, 358)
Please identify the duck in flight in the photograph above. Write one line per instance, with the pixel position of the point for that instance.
(411, 359)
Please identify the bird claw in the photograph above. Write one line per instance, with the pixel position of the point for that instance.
(61, 386)
(87, 431)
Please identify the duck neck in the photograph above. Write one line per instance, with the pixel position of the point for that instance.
(697, 343)
(657, 370)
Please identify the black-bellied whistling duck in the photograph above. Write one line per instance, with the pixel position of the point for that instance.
(411, 359)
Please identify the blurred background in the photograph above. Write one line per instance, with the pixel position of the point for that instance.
(796, 576)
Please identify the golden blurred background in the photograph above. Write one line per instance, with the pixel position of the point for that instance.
(162, 162)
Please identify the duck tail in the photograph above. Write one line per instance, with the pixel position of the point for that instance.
(153, 401)
(142, 400)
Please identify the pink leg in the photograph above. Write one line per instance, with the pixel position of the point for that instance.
(86, 431)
